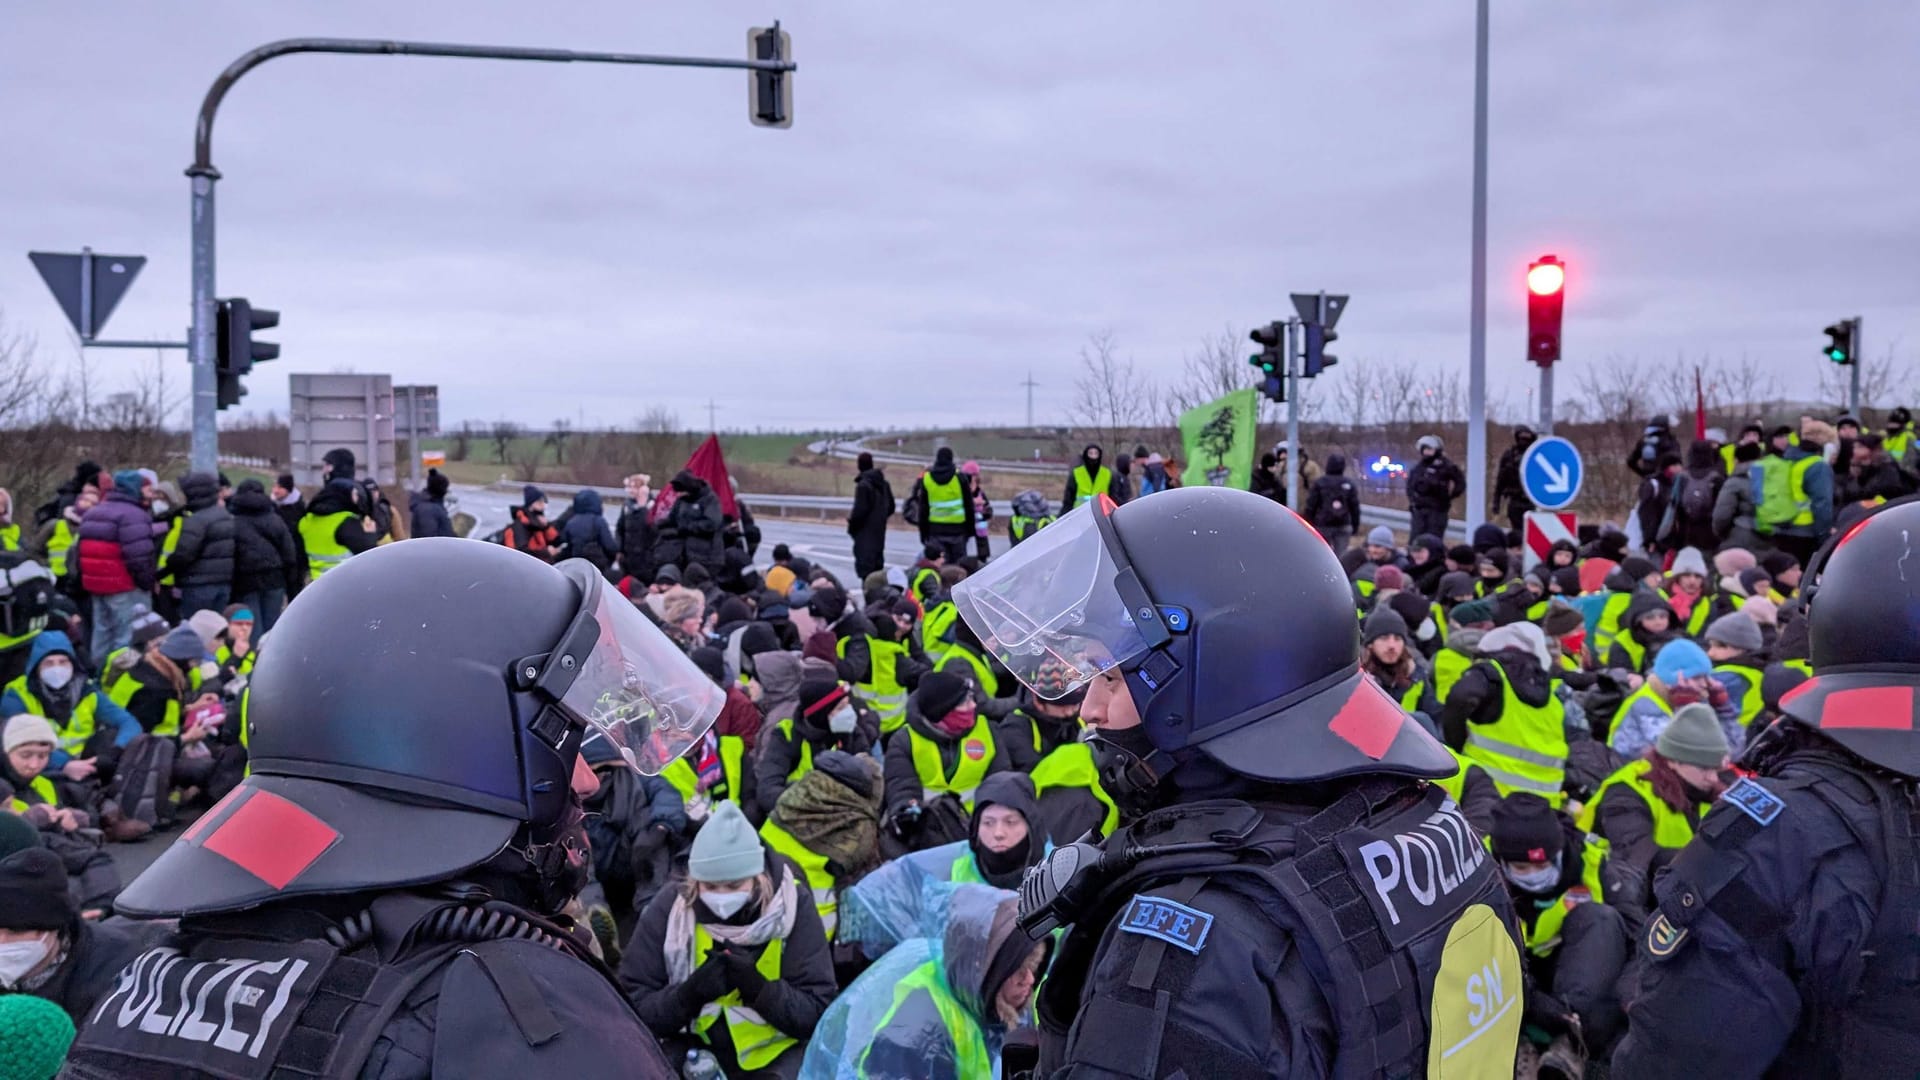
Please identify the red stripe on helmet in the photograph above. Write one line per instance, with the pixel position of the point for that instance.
(1369, 719)
(272, 838)
(1879, 708)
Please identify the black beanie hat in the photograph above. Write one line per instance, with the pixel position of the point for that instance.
(1382, 622)
(33, 892)
(1525, 828)
(939, 694)
(817, 689)
(759, 638)
(1412, 609)
(1638, 568)
(1463, 554)
(437, 483)
(1777, 563)
(712, 661)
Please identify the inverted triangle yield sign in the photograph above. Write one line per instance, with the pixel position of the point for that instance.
(111, 276)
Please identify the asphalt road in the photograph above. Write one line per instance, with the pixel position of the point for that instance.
(824, 544)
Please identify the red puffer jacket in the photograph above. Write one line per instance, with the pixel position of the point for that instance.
(117, 549)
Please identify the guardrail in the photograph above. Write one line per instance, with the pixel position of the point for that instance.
(829, 506)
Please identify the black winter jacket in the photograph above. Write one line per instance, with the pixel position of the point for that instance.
(264, 553)
(693, 530)
(1333, 502)
(204, 553)
(430, 517)
(872, 506)
(1434, 483)
(792, 1003)
(585, 534)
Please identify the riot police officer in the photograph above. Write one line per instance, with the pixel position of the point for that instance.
(1287, 895)
(381, 898)
(1790, 916)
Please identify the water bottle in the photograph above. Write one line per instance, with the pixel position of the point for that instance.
(702, 1065)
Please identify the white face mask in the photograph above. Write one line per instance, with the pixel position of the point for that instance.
(56, 676)
(726, 904)
(843, 720)
(1536, 881)
(19, 958)
(161, 508)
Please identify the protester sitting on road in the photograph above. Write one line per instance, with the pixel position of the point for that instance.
(91, 728)
(948, 748)
(937, 1010)
(734, 959)
(1681, 675)
(828, 823)
(1645, 629)
(26, 790)
(1394, 664)
(56, 953)
(1005, 837)
(828, 718)
(1577, 909)
(1650, 808)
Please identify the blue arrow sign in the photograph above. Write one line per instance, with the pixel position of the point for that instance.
(1550, 472)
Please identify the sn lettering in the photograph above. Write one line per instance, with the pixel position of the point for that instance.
(1486, 992)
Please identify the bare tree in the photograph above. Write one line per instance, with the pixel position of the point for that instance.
(462, 442)
(557, 438)
(1883, 383)
(503, 433)
(527, 456)
(1111, 403)
(1217, 368)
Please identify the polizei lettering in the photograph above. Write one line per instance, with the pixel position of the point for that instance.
(208, 1011)
(1414, 870)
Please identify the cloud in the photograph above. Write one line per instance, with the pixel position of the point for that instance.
(965, 195)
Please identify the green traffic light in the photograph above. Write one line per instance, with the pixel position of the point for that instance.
(1838, 356)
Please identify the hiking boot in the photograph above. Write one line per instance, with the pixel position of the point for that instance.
(121, 829)
(606, 932)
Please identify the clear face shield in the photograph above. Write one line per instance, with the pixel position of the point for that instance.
(1062, 600)
(616, 674)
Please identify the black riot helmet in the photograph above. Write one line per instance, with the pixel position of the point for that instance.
(418, 711)
(1229, 616)
(1862, 598)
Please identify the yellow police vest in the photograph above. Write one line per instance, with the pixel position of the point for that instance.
(324, 551)
(946, 503)
(820, 881)
(882, 690)
(974, 753)
(755, 1042)
(1670, 828)
(1524, 750)
(1086, 487)
(1071, 766)
(79, 727)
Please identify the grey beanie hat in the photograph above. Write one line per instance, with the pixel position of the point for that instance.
(727, 848)
(1694, 737)
(1735, 630)
(183, 646)
(1380, 536)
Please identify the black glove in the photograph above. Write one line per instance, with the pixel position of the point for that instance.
(707, 983)
(741, 974)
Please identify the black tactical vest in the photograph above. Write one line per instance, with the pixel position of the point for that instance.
(1367, 888)
(266, 994)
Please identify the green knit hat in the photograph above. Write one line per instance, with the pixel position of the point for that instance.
(34, 1036)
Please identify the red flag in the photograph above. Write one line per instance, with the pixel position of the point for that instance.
(708, 464)
(1699, 407)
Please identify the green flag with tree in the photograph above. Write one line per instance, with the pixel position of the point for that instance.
(1219, 439)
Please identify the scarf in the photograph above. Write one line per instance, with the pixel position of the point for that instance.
(829, 818)
(775, 921)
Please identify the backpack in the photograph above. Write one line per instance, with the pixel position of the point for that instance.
(915, 511)
(1697, 497)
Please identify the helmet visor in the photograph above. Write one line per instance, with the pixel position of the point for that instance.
(634, 688)
(1049, 610)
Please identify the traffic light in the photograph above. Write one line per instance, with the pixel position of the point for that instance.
(1840, 342)
(770, 93)
(1271, 360)
(1546, 297)
(1316, 358)
(236, 352)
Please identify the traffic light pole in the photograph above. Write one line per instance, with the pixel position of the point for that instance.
(1546, 399)
(1477, 283)
(200, 341)
(1295, 459)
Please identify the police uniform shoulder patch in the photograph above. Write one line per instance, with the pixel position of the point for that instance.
(1171, 922)
(1755, 801)
(1664, 938)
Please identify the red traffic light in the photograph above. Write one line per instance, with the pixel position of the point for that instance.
(1546, 296)
(1547, 275)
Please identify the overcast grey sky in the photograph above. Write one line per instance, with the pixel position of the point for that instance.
(967, 192)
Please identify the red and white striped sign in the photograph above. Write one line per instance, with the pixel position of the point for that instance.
(1544, 529)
